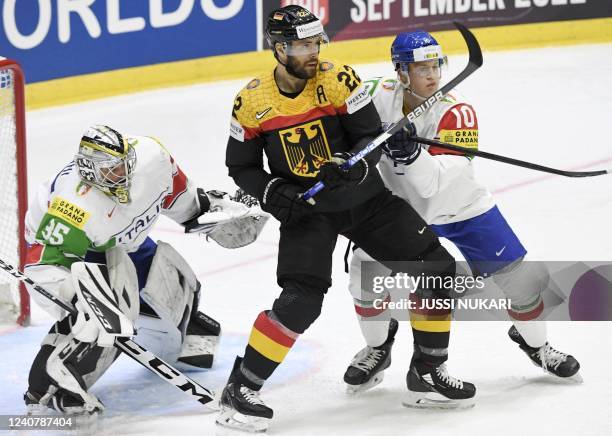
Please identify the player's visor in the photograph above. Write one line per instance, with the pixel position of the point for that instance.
(308, 46)
(421, 70)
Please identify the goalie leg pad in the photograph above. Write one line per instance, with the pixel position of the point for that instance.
(176, 331)
(159, 337)
(171, 285)
(124, 279)
(201, 341)
(202, 324)
(61, 368)
(67, 368)
(55, 280)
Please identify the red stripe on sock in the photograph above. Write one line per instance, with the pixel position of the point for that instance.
(368, 312)
(269, 328)
(527, 316)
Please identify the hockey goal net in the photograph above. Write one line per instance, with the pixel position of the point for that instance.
(14, 300)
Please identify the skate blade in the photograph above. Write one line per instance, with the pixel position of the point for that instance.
(577, 378)
(357, 389)
(230, 418)
(434, 400)
(574, 379)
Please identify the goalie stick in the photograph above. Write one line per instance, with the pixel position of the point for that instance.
(147, 359)
(511, 161)
(475, 62)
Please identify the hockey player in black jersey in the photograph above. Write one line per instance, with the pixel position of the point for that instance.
(308, 116)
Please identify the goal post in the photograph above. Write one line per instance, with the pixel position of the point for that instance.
(14, 299)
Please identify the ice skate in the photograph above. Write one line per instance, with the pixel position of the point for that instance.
(368, 366)
(436, 389)
(549, 359)
(241, 407)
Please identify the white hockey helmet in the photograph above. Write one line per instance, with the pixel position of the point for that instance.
(107, 161)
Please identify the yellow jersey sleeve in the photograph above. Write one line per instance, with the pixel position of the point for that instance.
(343, 86)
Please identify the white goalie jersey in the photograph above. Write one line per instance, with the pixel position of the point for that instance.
(440, 184)
(67, 218)
(92, 220)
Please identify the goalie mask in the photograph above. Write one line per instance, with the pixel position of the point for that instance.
(107, 161)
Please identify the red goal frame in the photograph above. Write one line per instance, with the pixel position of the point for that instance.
(22, 180)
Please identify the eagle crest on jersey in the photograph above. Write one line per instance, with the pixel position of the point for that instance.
(306, 148)
(261, 111)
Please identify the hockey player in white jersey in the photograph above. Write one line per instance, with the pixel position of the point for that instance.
(442, 187)
(87, 231)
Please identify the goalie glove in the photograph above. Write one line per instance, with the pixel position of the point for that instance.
(215, 207)
(232, 222)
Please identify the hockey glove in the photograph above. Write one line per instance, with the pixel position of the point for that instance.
(283, 200)
(232, 222)
(215, 207)
(401, 147)
(335, 177)
(243, 230)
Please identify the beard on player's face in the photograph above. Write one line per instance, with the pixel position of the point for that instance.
(303, 67)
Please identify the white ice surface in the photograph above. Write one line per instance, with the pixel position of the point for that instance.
(550, 106)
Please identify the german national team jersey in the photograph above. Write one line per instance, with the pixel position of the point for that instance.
(440, 184)
(67, 218)
(333, 113)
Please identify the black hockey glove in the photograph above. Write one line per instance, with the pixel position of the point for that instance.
(401, 147)
(335, 177)
(282, 199)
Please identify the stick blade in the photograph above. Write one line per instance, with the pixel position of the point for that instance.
(472, 43)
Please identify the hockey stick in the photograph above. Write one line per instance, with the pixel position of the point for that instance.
(474, 63)
(147, 359)
(511, 161)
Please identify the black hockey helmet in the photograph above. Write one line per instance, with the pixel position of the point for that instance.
(292, 23)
